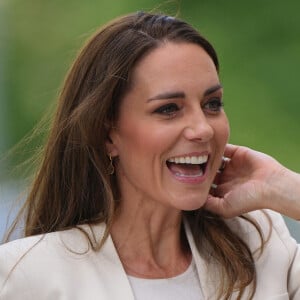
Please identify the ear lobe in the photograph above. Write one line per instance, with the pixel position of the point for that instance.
(110, 144)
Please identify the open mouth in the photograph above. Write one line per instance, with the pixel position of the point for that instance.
(188, 166)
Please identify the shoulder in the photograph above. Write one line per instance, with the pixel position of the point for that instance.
(277, 262)
(265, 219)
(38, 244)
(272, 227)
(16, 258)
(74, 239)
(37, 260)
(13, 253)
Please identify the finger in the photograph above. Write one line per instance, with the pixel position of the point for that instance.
(228, 206)
(221, 186)
(219, 206)
(230, 149)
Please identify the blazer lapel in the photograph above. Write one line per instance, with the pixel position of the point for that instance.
(206, 273)
(112, 272)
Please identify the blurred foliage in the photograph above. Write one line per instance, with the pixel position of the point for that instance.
(258, 43)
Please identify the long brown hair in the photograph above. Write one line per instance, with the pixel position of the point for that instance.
(73, 185)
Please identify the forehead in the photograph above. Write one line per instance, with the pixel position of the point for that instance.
(177, 63)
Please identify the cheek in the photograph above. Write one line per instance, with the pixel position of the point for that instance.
(221, 136)
(144, 138)
(226, 132)
(222, 133)
(141, 146)
(135, 149)
(223, 129)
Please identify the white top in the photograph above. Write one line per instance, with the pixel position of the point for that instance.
(183, 286)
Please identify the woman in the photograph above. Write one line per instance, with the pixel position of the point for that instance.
(116, 210)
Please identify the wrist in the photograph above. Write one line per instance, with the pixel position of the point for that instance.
(285, 193)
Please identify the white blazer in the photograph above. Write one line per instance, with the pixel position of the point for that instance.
(61, 266)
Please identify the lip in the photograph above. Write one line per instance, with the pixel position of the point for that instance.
(196, 179)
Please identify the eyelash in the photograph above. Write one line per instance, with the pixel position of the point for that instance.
(169, 109)
(213, 106)
(216, 103)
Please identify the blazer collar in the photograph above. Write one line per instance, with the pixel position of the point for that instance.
(117, 279)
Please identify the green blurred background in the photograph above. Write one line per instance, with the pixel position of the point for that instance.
(258, 43)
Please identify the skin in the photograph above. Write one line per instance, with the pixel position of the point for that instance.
(253, 180)
(172, 109)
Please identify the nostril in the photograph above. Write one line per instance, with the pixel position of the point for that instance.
(201, 132)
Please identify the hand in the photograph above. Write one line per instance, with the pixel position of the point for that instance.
(252, 180)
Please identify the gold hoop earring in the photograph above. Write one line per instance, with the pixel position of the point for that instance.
(111, 168)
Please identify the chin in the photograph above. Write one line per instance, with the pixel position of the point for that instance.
(190, 205)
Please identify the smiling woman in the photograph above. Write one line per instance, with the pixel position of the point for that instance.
(118, 201)
(168, 123)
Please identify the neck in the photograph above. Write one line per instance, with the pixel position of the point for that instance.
(150, 241)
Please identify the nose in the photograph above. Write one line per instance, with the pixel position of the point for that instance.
(198, 127)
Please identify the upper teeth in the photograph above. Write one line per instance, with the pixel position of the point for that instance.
(195, 160)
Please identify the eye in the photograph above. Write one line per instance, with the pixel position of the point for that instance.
(213, 105)
(169, 109)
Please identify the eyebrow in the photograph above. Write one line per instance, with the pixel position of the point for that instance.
(167, 95)
(213, 89)
(176, 95)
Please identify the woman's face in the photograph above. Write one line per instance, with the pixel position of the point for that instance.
(172, 130)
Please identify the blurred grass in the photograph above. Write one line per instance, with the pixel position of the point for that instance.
(258, 43)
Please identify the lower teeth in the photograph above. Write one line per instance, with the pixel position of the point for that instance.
(189, 176)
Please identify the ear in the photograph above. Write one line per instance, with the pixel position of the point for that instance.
(111, 143)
